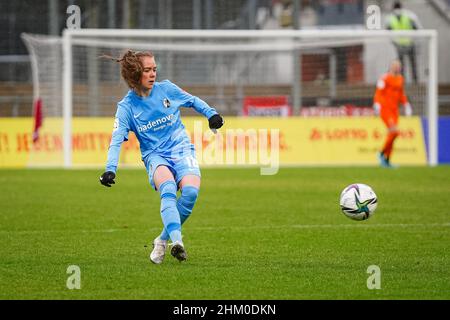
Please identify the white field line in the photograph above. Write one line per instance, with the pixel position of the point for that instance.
(356, 225)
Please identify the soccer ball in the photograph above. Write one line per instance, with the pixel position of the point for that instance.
(358, 201)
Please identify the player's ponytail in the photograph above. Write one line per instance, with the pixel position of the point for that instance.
(131, 66)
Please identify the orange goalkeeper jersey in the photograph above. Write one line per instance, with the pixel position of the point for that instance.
(389, 93)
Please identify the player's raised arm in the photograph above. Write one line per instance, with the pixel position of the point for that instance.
(215, 120)
(119, 135)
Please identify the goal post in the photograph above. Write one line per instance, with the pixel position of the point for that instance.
(433, 108)
(312, 67)
(67, 98)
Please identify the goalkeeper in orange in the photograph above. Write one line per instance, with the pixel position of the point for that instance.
(388, 96)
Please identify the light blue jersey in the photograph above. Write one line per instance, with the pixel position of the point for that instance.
(155, 120)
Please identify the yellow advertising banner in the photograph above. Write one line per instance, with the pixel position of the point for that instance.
(90, 142)
(242, 141)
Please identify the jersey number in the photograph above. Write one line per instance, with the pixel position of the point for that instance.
(192, 162)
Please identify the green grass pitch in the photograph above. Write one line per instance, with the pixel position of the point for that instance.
(249, 237)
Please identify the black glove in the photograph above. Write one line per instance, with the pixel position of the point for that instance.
(107, 179)
(215, 122)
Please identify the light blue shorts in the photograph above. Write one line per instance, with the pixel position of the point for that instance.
(180, 167)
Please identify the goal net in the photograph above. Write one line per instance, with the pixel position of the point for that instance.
(319, 72)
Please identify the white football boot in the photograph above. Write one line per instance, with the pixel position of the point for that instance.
(159, 251)
(178, 251)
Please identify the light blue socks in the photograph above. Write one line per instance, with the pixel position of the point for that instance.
(184, 206)
(169, 211)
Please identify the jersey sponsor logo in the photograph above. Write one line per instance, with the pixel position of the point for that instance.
(155, 123)
(116, 124)
(166, 103)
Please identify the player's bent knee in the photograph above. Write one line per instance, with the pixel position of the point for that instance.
(189, 195)
(393, 128)
(394, 132)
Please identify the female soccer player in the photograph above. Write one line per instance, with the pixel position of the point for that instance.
(151, 110)
(388, 95)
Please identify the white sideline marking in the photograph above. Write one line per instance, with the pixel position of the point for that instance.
(215, 228)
